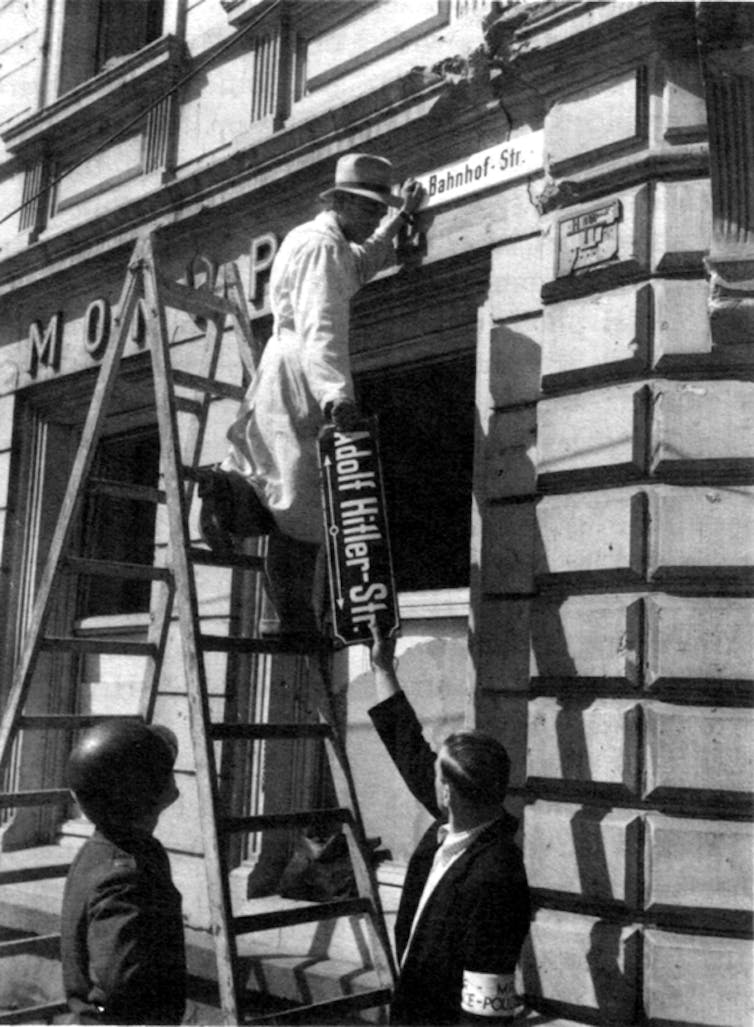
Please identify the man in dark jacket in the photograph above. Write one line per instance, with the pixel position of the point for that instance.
(122, 942)
(464, 911)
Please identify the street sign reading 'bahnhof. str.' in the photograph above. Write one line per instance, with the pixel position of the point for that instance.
(494, 166)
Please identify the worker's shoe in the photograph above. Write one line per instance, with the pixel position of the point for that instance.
(230, 507)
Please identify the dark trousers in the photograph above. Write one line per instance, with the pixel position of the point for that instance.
(296, 579)
(296, 576)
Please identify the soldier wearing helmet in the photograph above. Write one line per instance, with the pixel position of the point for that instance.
(122, 937)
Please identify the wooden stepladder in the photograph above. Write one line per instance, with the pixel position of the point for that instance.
(147, 294)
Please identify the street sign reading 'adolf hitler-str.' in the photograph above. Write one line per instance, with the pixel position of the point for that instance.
(362, 585)
(495, 166)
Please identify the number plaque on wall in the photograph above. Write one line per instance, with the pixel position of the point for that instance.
(588, 238)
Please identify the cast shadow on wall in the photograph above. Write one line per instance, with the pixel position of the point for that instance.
(529, 693)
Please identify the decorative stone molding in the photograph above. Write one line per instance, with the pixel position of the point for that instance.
(726, 39)
(121, 88)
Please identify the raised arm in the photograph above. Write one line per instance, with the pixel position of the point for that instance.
(399, 728)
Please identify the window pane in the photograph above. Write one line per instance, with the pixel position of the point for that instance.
(121, 529)
(126, 26)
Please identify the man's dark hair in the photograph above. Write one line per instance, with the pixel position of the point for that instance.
(477, 765)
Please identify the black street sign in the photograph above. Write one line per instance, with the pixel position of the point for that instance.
(362, 585)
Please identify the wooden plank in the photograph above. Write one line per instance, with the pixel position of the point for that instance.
(240, 561)
(193, 301)
(276, 821)
(194, 407)
(301, 915)
(68, 721)
(35, 1014)
(40, 797)
(45, 945)
(322, 1012)
(124, 490)
(114, 646)
(268, 731)
(34, 873)
(209, 385)
(224, 644)
(118, 569)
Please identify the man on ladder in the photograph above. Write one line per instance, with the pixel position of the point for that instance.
(269, 482)
(175, 605)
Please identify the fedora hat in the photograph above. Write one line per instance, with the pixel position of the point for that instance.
(364, 175)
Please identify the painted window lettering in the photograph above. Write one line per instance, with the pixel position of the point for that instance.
(46, 343)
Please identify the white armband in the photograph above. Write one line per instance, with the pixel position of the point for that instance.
(488, 994)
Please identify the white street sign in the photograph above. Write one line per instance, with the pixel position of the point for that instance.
(502, 163)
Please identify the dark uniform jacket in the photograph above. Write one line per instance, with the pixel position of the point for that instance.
(477, 917)
(122, 940)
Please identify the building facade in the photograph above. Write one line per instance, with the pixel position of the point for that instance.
(561, 361)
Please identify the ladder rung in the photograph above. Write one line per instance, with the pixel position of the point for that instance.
(19, 875)
(34, 1014)
(193, 301)
(272, 821)
(40, 944)
(112, 646)
(125, 490)
(211, 385)
(189, 406)
(42, 797)
(321, 1012)
(230, 644)
(301, 915)
(117, 569)
(253, 732)
(241, 561)
(69, 721)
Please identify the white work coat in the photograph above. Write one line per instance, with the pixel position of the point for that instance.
(305, 365)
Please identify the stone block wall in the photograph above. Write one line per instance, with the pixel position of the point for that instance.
(618, 538)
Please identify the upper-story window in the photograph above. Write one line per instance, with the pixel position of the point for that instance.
(97, 33)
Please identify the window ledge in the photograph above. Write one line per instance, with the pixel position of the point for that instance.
(120, 88)
(441, 602)
(239, 11)
(309, 18)
(109, 624)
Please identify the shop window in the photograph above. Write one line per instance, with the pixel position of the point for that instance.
(114, 528)
(98, 33)
(426, 437)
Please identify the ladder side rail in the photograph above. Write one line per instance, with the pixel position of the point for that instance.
(363, 870)
(61, 537)
(361, 861)
(163, 601)
(192, 440)
(249, 348)
(196, 685)
(161, 610)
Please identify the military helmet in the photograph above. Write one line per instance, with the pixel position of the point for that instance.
(119, 768)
